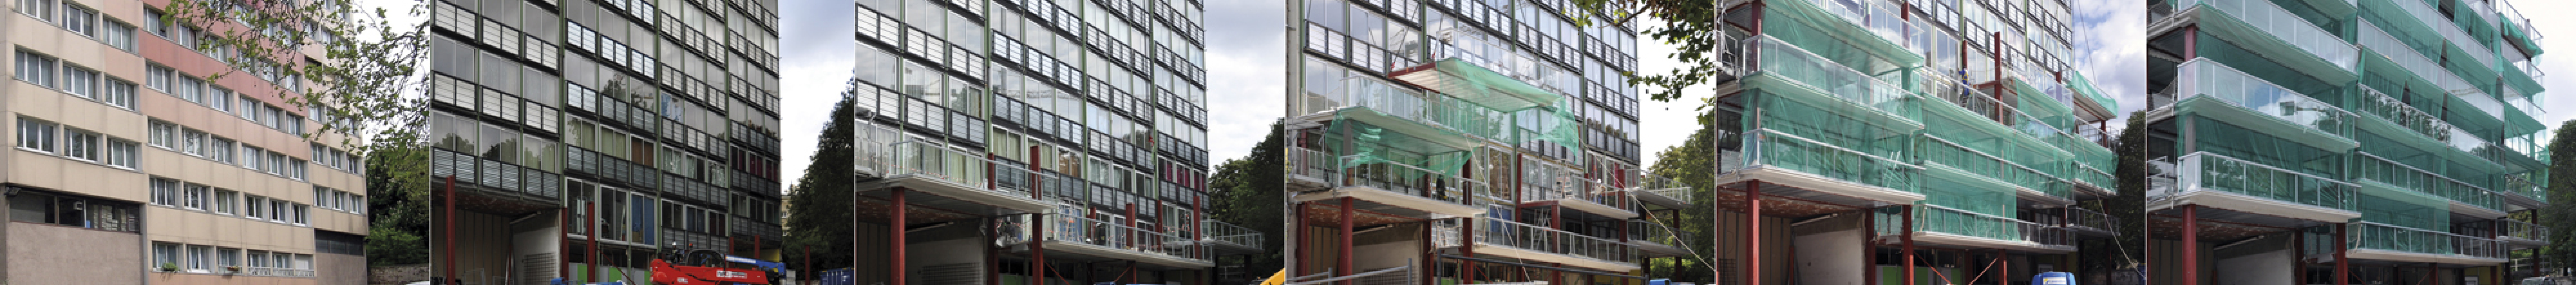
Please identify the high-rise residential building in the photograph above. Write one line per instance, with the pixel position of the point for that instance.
(135, 163)
(1906, 142)
(1464, 141)
(1034, 142)
(583, 139)
(2341, 142)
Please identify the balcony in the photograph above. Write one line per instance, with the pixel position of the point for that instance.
(1096, 239)
(2207, 88)
(1229, 238)
(2082, 220)
(1523, 241)
(2376, 241)
(955, 175)
(1789, 72)
(2431, 21)
(1389, 183)
(2371, 170)
(2267, 28)
(1944, 225)
(1779, 158)
(2228, 183)
(527, 184)
(745, 227)
(1957, 163)
(605, 168)
(2404, 124)
(1664, 191)
(1655, 240)
(1544, 182)
(2524, 192)
(1865, 26)
(2523, 234)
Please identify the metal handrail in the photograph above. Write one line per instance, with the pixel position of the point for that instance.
(1405, 268)
(1544, 239)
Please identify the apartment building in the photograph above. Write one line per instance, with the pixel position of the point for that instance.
(1463, 141)
(1034, 142)
(1905, 142)
(135, 164)
(583, 139)
(2341, 142)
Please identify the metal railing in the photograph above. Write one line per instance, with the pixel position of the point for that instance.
(1525, 236)
(932, 160)
(2203, 171)
(1220, 231)
(2289, 28)
(2207, 78)
(2082, 217)
(2374, 168)
(1935, 218)
(1766, 147)
(2371, 235)
(1639, 230)
(1075, 229)
(610, 168)
(2524, 230)
(1779, 58)
(495, 174)
(1384, 175)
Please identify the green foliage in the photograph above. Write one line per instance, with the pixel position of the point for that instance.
(1692, 164)
(1691, 26)
(1249, 192)
(2560, 215)
(2129, 184)
(819, 206)
(398, 207)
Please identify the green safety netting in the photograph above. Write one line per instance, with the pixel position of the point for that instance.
(1833, 34)
(2388, 204)
(1361, 137)
(1965, 190)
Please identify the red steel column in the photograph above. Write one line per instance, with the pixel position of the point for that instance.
(1298, 233)
(1344, 267)
(563, 221)
(895, 225)
(1907, 235)
(593, 236)
(2190, 244)
(1037, 250)
(447, 237)
(1753, 233)
(2342, 268)
(1869, 248)
(1467, 247)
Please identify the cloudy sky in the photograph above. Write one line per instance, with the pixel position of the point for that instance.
(1245, 54)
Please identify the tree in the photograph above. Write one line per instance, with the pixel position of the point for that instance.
(348, 69)
(1249, 192)
(1693, 27)
(1692, 164)
(2128, 204)
(819, 206)
(2560, 217)
(398, 207)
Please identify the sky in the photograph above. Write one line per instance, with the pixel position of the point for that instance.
(2554, 58)
(1246, 77)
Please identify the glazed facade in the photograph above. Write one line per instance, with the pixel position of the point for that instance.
(2370, 141)
(585, 137)
(1035, 142)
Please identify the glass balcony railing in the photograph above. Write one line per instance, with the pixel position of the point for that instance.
(1077, 229)
(1935, 218)
(2442, 25)
(2524, 230)
(1668, 187)
(1639, 230)
(1542, 239)
(2203, 171)
(606, 167)
(1766, 147)
(934, 161)
(2082, 217)
(1223, 232)
(2087, 175)
(2289, 28)
(1945, 152)
(2203, 77)
(1389, 176)
(498, 175)
(2516, 185)
(1806, 69)
(2370, 235)
(2374, 168)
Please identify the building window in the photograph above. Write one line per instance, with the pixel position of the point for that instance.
(72, 211)
(221, 151)
(227, 201)
(36, 68)
(164, 254)
(164, 134)
(193, 142)
(195, 196)
(200, 258)
(82, 145)
(121, 153)
(165, 192)
(80, 82)
(117, 92)
(36, 134)
(42, 10)
(227, 257)
(251, 206)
